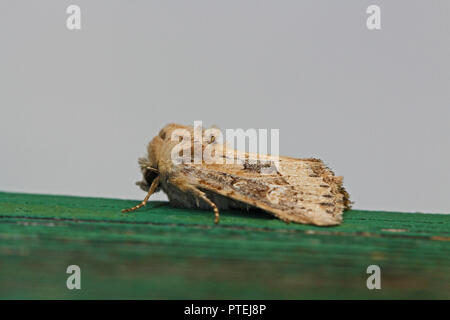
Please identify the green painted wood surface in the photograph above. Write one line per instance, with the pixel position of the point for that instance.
(160, 252)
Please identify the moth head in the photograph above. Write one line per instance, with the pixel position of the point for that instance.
(149, 173)
(166, 132)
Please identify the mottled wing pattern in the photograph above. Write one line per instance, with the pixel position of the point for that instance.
(301, 190)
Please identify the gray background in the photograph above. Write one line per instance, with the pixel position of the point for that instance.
(78, 107)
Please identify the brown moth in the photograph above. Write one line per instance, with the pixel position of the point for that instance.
(296, 190)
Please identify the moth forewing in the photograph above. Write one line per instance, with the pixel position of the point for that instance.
(295, 193)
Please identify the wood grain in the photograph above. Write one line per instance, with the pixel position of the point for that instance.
(164, 253)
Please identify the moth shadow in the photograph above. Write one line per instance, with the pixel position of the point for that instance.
(251, 213)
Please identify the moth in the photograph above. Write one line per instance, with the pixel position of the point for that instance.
(295, 190)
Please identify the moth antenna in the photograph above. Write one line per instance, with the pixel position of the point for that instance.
(152, 169)
(143, 162)
(151, 190)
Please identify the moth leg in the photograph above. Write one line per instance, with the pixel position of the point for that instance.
(151, 190)
(203, 196)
